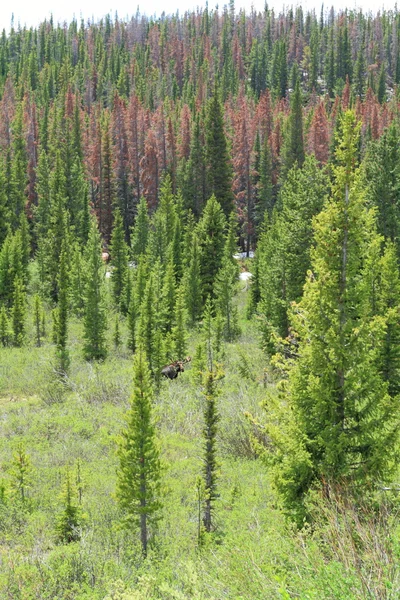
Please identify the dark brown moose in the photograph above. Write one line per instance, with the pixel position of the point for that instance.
(171, 371)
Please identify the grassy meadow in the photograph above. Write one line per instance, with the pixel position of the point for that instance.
(255, 552)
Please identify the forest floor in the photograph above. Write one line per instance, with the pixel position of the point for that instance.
(255, 553)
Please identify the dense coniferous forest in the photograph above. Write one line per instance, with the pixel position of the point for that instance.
(200, 307)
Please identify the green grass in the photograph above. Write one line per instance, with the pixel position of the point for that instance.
(255, 553)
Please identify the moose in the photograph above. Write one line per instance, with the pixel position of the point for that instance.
(171, 371)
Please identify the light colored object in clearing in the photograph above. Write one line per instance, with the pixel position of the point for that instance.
(245, 276)
(240, 255)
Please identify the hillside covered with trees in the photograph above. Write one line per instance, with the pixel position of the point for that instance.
(200, 307)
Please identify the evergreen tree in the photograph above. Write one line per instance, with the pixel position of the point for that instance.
(294, 147)
(284, 249)
(94, 317)
(132, 322)
(219, 170)
(19, 167)
(168, 297)
(266, 198)
(382, 175)
(37, 319)
(19, 313)
(146, 327)
(119, 263)
(194, 173)
(388, 302)
(117, 333)
(4, 209)
(192, 283)
(339, 423)
(225, 285)
(140, 233)
(4, 327)
(77, 280)
(211, 238)
(21, 474)
(138, 484)
(69, 522)
(211, 418)
(61, 333)
(179, 330)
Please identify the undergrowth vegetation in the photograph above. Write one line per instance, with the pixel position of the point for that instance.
(74, 427)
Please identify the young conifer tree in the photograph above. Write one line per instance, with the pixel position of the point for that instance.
(119, 262)
(339, 423)
(19, 313)
(225, 285)
(69, 521)
(140, 233)
(21, 474)
(138, 483)
(211, 237)
(61, 334)
(179, 330)
(211, 418)
(192, 283)
(94, 318)
(37, 318)
(4, 327)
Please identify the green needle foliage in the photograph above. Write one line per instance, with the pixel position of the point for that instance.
(37, 319)
(61, 323)
(19, 313)
(138, 484)
(211, 418)
(69, 522)
(4, 327)
(335, 420)
(94, 318)
(119, 262)
(21, 474)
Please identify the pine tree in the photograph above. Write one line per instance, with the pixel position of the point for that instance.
(382, 174)
(207, 331)
(294, 147)
(225, 285)
(146, 327)
(132, 322)
(339, 423)
(19, 167)
(179, 330)
(168, 296)
(389, 306)
(77, 280)
(210, 465)
(94, 317)
(140, 232)
(211, 238)
(266, 199)
(61, 333)
(194, 172)
(219, 170)
(21, 474)
(192, 284)
(284, 249)
(4, 327)
(119, 263)
(117, 333)
(37, 319)
(138, 484)
(69, 522)
(19, 313)
(4, 209)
